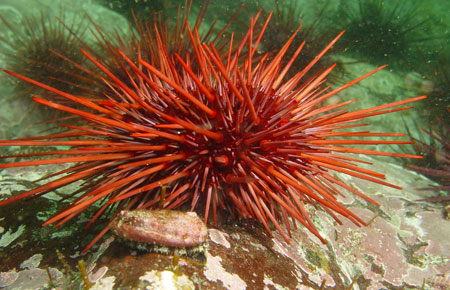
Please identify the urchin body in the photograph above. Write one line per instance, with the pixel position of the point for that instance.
(229, 134)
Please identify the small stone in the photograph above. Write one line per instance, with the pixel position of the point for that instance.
(32, 262)
(93, 278)
(427, 87)
(7, 238)
(167, 280)
(169, 228)
(55, 274)
(235, 236)
(219, 238)
(7, 278)
(106, 283)
(31, 279)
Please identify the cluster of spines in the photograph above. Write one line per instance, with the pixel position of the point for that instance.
(230, 133)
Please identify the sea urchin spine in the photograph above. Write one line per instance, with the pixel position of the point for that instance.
(230, 134)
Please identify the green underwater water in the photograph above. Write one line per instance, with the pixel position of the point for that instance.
(411, 37)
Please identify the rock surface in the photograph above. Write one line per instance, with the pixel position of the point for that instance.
(405, 246)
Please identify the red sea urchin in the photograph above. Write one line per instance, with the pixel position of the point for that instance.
(223, 134)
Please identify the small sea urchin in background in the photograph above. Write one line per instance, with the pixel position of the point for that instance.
(145, 37)
(217, 132)
(36, 48)
(385, 31)
(438, 152)
(145, 7)
(285, 20)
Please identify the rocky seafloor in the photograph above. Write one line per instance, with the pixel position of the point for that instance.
(405, 246)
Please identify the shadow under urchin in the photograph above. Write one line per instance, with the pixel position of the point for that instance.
(230, 133)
